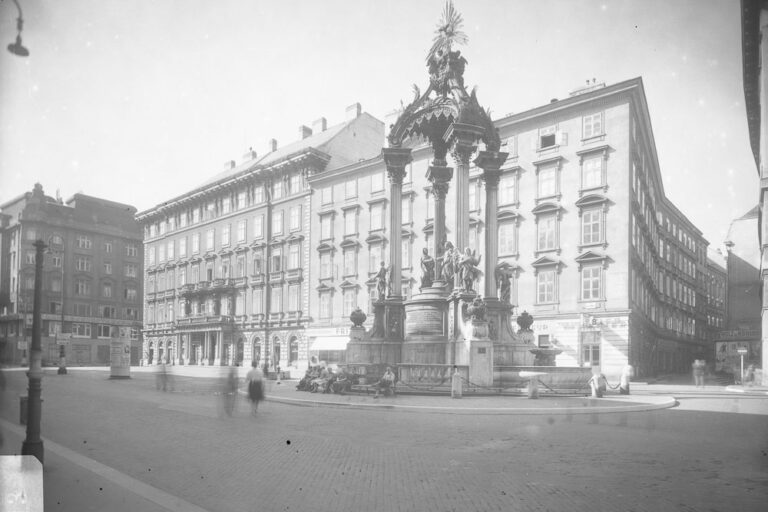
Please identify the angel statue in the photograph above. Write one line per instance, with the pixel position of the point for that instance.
(381, 281)
(427, 269)
(468, 269)
(447, 263)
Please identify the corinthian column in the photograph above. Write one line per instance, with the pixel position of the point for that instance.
(440, 177)
(490, 162)
(464, 139)
(396, 159)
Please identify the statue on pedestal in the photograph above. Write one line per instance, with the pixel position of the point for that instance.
(448, 264)
(504, 284)
(381, 281)
(468, 269)
(427, 269)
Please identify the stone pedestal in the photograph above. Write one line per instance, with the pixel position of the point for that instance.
(457, 322)
(480, 354)
(425, 327)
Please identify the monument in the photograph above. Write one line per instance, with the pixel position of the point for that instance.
(449, 321)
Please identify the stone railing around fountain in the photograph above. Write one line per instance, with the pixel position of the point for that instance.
(555, 379)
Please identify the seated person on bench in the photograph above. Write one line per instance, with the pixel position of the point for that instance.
(386, 383)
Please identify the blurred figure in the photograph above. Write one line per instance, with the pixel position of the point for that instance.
(749, 378)
(626, 374)
(598, 383)
(385, 384)
(698, 372)
(163, 379)
(229, 391)
(2, 400)
(255, 380)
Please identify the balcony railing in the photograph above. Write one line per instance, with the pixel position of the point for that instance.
(240, 282)
(294, 274)
(258, 279)
(276, 277)
(203, 285)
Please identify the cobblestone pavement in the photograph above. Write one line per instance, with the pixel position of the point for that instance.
(322, 459)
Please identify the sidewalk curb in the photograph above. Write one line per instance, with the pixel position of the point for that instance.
(663, 402)
(746, 391)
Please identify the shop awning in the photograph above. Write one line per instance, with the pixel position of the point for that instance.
(329, 343)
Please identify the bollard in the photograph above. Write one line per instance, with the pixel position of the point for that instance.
(533, 388)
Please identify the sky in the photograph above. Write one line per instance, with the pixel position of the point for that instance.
(139, 102)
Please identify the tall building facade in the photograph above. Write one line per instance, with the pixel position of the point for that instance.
(92, 276)
(610, 269)
(226, 263)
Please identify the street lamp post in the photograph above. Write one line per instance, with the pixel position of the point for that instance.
(33, 444)
(60, 338)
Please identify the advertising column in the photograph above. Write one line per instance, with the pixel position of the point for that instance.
(120, 354)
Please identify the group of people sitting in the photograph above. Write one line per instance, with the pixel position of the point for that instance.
(321, 379)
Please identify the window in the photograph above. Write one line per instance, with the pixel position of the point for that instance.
(374, 258)
(325, 265)
(377, 216)
(107, 247)
(83, 264)
(181, 277)
(161, 253)
(131, 250)
(195, 215)
(545, 283)
(473, 204)
(183, 220)
(30, 258)
(506, 238)
(81, 330)
(29, 283)
(83, 242)
(590, 349)
(296, 183)
(131, 294)
(103, 331)
(258, 302)
(591, 226)
(590, 282)
(196, 243)
(258, 226)
(350, 222)
(276, 300)
(325, 305)
(326, 195)
(82, 287)
(547, 137)
(224, 268)
(210, 211)
(209, 239)
(258, 194)
(377, 182)
(350, 301)
(293, 350)
(592, 172)
(56, 284)
(350, 262)
(241, 227)
(57, 240)
(294, 256)
(277, 223)
(240, 266)
(277, 260)
(547, 233)
(106, 290)
(510, 146)
(54, 328)
(326, 227)
(350, 189)
(406, 212)
(108, 268)
(293, 298)
(507, 186)
(258, 265)
(547, 181)
(131, 313)
(277, 189)
(295, 222)
(226, 205)
(241, 200)
(593, 125)
(405, 252)
(225, 235)
(183, 247)
(56, 260)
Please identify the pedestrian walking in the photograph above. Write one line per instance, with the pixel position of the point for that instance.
(456, 390)
(698, 372)
(229, 391)
(255, 380)
(749, 378)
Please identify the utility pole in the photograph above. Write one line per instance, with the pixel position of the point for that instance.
(33, 444)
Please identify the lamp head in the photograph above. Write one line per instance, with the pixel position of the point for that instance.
(17, 48)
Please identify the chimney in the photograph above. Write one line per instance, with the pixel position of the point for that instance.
(229, 164)
(304, 131)
(353, 111)
(320, 125)
(272, 145)
(249, 155)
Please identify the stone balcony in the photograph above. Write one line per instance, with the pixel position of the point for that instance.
(294, 275)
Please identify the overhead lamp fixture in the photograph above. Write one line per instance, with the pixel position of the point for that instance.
(17, 48)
